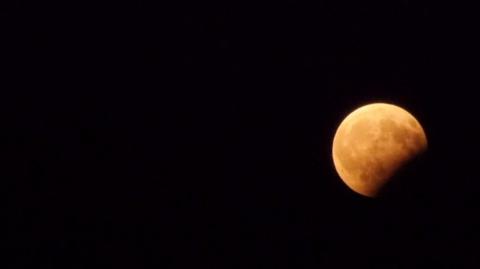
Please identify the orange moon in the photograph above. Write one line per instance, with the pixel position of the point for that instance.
(372, 143)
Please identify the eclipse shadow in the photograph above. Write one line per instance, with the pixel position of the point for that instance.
(410, 182)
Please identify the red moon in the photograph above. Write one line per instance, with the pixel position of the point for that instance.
(372, 143)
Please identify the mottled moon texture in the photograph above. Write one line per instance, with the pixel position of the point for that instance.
(372, 143)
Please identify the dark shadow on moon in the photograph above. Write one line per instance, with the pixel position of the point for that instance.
(409, 182)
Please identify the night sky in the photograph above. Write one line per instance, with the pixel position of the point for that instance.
(198, 135)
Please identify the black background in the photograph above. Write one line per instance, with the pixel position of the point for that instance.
(138, 134)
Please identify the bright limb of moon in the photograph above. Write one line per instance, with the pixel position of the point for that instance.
(372, 143)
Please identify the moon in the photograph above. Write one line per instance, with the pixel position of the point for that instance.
(372, 143)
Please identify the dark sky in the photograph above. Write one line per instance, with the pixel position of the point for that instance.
(198, 135)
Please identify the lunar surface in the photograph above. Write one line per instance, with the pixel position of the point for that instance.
(372, 143)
